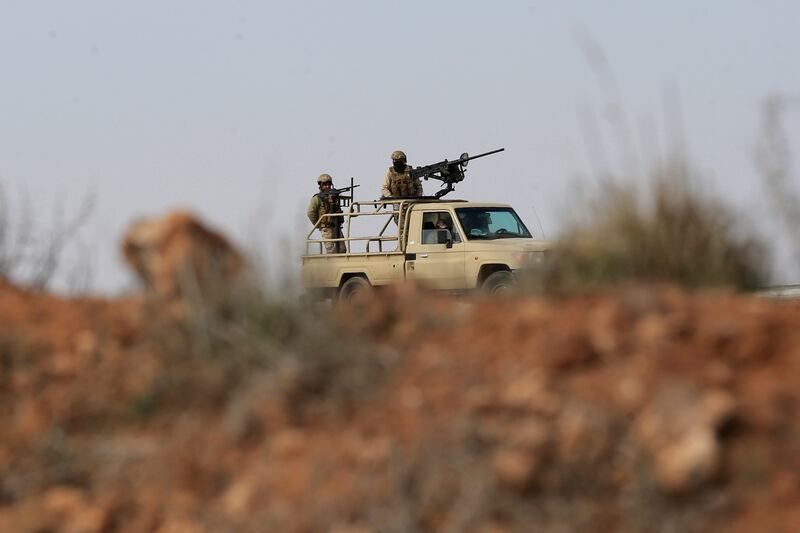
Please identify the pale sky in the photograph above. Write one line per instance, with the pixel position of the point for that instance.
(234, 108)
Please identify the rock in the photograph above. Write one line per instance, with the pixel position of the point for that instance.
(175, 255)
(514, 469)
(529, 391)
(73, 511)
(605, 326)
(679, 431)
(687, 462)
(288, 444)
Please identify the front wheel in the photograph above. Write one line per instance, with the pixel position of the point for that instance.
(354, 289)
(501, 283)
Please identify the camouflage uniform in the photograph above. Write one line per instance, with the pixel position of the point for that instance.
(399, 184)
(330, 227)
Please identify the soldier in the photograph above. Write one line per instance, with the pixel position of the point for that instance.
(397, 181)
(323, 204)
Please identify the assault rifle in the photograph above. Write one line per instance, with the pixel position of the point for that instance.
(336, 192)
(344, 201)
(448, 172)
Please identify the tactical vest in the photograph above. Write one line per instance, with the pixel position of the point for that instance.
(402, 184)
(327, 205)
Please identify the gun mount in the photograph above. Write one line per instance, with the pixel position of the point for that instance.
(448, 172)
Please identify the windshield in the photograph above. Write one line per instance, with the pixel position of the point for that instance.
(487, 223)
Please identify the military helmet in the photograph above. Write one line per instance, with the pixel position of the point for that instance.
(324, 178)
(398, 155)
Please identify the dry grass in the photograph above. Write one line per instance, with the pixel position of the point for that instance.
(667, 232)
(32, 253)
(775, 163)
(246, 337)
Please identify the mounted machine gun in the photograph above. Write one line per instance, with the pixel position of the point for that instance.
(448, 172)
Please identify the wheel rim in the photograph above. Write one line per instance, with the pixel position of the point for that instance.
(501, 289)
(357, 293)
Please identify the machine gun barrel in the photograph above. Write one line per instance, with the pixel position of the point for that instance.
(462, 160)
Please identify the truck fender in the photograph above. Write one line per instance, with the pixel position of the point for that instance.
(344, 276)
(487, 269)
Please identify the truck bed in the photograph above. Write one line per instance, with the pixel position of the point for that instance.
(381, 268)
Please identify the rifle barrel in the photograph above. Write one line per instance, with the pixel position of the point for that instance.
(336, 192)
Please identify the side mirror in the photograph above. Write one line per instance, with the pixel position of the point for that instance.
(443, 236)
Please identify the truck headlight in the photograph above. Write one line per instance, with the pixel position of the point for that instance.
(528, 258)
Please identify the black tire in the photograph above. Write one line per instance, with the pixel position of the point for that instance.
(353, 288)
(500, 283)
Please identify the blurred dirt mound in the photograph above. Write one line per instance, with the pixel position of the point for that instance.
(40, 320)
(176, 253)
(644, 409)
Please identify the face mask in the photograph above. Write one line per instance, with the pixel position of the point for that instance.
(399, 165)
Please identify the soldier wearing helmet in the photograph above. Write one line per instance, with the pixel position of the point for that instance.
(397, 182)
(324, 204)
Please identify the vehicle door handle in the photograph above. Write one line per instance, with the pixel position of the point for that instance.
(423, 255)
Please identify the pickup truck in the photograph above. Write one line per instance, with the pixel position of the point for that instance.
(452, 245)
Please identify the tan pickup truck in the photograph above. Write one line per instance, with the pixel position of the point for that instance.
(452, 245)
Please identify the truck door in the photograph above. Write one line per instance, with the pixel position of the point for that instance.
(429, 260)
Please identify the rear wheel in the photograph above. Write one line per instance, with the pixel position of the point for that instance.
(354, 289)
(501, 283)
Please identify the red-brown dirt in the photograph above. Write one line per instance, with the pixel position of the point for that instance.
(636, 409)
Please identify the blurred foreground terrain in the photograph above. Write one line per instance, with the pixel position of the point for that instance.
(206, 406)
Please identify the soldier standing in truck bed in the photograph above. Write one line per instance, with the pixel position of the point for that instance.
(397, 181)
(322, 204)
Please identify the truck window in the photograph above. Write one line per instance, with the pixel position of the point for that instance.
(487, 223)
(434, 222)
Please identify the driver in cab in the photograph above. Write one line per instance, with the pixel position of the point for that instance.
(476, 224)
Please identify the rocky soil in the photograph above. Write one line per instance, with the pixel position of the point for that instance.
(644, 408)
